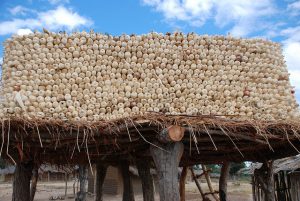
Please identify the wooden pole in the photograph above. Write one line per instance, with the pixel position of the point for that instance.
(167, 158)
(265, 178)
(128, 194)
(34, 180)
(223, 181)
(197, 184)
(209, 184)
(66, 184)
(143, 167)
(81, 195)
(182, 183)
(101, 170)
(21, 183)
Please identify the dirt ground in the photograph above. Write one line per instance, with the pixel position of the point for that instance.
(45, 190)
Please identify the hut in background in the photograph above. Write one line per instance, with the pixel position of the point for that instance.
(286, 179)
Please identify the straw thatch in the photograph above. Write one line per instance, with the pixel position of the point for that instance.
(207, 139)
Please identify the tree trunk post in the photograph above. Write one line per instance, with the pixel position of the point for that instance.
(66, 185)
(167, 158)
(81, 195)
(101, 170)
(128, 194)
(34, 180)
(265, 178)
(223, 181)
(182, 183)
(21, 183)
(146, 178)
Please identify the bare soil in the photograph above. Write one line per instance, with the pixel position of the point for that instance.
(46, 190)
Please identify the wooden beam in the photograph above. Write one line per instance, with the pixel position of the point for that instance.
(143, 167)
(172, 133)
(21, 183)
(223, 181)
(101, 169)
(128, 194)
(34, 180)
(167, 158)
(83, 175)
(182, 183)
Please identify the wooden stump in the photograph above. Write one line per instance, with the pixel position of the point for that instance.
(83, 174)
(265, 177)
(128, 194)
(143, 167)
(167, 162)
(223, 181)
(21, 183)
(182, 183)
(100, 176)
(34, 180)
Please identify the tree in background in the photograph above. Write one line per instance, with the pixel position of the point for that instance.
(235, 167)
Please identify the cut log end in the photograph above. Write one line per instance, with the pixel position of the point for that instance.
(172, 133)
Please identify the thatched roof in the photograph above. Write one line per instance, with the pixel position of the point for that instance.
(208, 139)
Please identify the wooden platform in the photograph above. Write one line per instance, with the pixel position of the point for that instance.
(207, 139)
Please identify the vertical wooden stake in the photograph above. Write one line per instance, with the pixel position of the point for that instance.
(143, 167)
(101, 170)
(265, 177)
(223, 181)
(81, 195)
(66, 185)
(167, 162)
(34, 180)
(21, 183)
(182, 183)
(128, 194)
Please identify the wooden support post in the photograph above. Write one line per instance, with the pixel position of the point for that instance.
(223, 181)
(128, 194)
(21, 183)
(81, 195)
(34, 180)
(172, 133)
(143, 167)
(101, 170)
(66, 184)
(182, 183)
(265, 178)
(167, 158)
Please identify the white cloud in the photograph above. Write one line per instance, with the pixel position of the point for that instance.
(24, 32)
(58, 1)
(19, 10)
(63, 18)
(291, 50)
(294, 8)
(246, 16)
(1, 60)
(59, 18)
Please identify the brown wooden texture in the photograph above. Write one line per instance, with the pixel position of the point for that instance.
(128, 194)
(166, 158)
(34, 180)
(265, 178)
(101, 170)
(143, 167)
(182, 183)
(223, 181)
(83, 175)
(21, 183)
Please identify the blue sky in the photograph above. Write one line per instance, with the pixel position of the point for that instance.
(275, 20)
